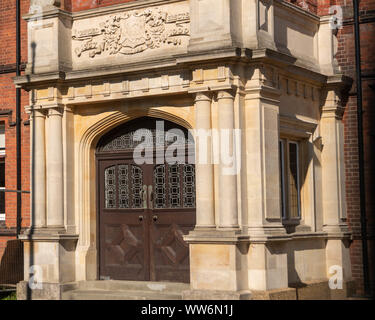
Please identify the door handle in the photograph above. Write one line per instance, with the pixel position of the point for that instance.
(150, 197)
(155, 218)
(144, 196)
(140, 218)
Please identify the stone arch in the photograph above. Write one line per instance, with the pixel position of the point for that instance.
(85, 194)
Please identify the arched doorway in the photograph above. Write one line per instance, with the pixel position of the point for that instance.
(146, 203)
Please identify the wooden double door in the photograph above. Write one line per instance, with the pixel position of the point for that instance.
(144, 211)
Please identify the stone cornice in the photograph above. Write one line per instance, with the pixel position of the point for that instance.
(227, 57)
(120, 7)
(297, 127)
(47, 13)
(296, 9)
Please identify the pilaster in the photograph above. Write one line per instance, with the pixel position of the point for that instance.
(333, 178)
(205, 211)
(228, 215)
(332, 157)
(38, 169)
(262, 157)
(55, 179)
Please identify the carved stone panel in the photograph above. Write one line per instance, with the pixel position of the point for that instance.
(131, 33)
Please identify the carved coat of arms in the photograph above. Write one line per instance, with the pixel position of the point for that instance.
(134, 32)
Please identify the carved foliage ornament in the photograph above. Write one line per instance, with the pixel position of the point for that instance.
(133, 32)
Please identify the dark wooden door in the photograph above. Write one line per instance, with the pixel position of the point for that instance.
(173, 215)
(123, 218)
(144, 211)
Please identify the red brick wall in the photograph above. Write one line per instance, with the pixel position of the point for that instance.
(346, 60)
(78, 5)
(8, 102)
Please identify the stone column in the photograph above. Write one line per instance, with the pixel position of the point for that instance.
(39, 169)
(55, 185)
(262, 161)
(228, 215)
(332, 158)
(267, 259)
(333, 185)
(205, 212)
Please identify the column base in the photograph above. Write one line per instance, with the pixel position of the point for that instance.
(217, 261)
(338, 231)
(268, 233)
(47, 291)
(205, 235)
(313, 290)
(43, 231)
(205, 228)
(49, 257)
(267, 266)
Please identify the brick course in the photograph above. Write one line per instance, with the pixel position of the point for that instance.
(8, 102)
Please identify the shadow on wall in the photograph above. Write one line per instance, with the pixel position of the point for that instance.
(11, 265)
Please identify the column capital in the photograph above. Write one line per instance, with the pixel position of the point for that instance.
(226, 94)
(39, 113)
(334, 96)
(35, 111)
(333, 103)
(56, 111)
(203, 96)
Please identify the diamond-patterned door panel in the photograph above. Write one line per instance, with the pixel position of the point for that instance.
(123, 253)
(169, 251)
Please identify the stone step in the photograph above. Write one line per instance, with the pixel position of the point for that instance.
(118, 295)
(124, 290)
(120, 285)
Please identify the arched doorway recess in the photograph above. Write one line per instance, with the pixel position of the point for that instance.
(145, 204)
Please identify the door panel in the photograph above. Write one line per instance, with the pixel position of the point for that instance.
(172, 217)
(124, 249)
(169, 252)
(124, 240)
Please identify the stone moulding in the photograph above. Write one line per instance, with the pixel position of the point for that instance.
(133, 32)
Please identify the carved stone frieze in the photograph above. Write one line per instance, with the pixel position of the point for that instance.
(133, 32)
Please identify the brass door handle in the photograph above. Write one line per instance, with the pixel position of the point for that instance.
(150, 197)
(144, 196)
(155, 218)
(140, 218)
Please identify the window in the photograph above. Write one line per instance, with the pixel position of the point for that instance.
(2, 172)
(290, 180)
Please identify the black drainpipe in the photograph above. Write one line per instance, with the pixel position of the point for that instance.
(18, 117)
(366, 281)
